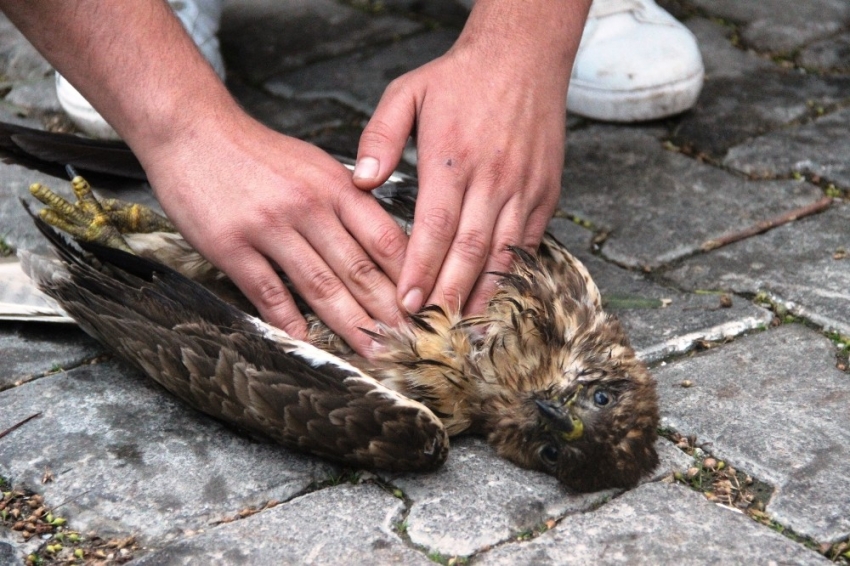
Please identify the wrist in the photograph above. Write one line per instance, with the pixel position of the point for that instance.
(182, 115)
(545, 33)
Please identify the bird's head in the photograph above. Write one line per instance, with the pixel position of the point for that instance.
(572, 398)
(593, 428)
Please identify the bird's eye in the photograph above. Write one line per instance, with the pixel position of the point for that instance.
(601, 397)
(549, 454)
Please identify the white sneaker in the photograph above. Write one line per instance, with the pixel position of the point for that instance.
(635, 62)
(199, 17)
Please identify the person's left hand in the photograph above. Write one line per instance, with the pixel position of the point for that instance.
(489, 119)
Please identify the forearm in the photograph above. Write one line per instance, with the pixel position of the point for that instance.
(536, 34)
(132, 60)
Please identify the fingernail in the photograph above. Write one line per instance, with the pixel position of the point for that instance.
(366, 168)
(413, 300)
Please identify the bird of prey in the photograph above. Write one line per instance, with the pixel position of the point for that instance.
(544, 373)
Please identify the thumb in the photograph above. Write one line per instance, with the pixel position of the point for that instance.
(384, 138)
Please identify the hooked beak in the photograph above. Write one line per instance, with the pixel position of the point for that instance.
(561, 419)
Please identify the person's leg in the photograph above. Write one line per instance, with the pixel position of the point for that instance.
(199, 17)
(635, 62)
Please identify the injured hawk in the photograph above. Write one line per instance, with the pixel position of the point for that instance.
(544, 373)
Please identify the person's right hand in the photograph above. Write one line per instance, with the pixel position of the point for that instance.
(248, 198)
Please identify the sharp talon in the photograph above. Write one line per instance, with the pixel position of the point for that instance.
(90, 220)
(54, 201)
(71, 171)
(83, 191)
(55, 220)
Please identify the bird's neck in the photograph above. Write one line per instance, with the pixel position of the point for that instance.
(435, 361)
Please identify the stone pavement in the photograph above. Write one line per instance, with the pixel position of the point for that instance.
(748, 341)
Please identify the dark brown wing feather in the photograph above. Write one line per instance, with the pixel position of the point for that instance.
(96, 156)
(232, 367)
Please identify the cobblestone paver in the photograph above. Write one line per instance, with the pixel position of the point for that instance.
(783, 403)
(749, 342)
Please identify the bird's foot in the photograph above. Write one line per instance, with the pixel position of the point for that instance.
(101, 221)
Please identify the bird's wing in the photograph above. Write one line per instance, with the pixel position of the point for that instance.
(95, 156)
(233, 366)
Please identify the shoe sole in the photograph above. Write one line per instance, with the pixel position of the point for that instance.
(634, 105)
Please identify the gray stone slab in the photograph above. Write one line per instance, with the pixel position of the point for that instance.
(719, 56)
(326, 123)
(16, 228)
(819, 147)
(658, 205)
(16, 115)
(32, 349)
(19, 61)
(298, 118)
(689, 318)
(260, 38)
(346, 524)
(128, 458)
(828, 54)
(9, 555)
(733, 109)
(451, 13)
(660, 321)
(656, 524)
(745, 94)
(358, 80)
(671, 460)
(773, 404)
(782, 25)
(795, 263)
(35, 96)
(479, 499)
(13, 548)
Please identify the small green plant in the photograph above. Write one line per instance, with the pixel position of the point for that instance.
(447, 560)
(832, 191)
(5, 249)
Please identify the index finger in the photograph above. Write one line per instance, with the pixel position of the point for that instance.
(442, 184)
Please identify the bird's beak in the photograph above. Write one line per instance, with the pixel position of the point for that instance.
(561, 419)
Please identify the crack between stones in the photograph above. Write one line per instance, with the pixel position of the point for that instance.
(710, 470)
(56, 370)
(400, 528)
(780, 308)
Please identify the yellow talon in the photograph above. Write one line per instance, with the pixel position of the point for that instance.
(93, 220)
(83, 191)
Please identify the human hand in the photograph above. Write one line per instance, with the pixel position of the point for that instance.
(248, 198)
(489, 118)
(244, 196)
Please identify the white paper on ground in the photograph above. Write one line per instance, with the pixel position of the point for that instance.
(20, 300)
